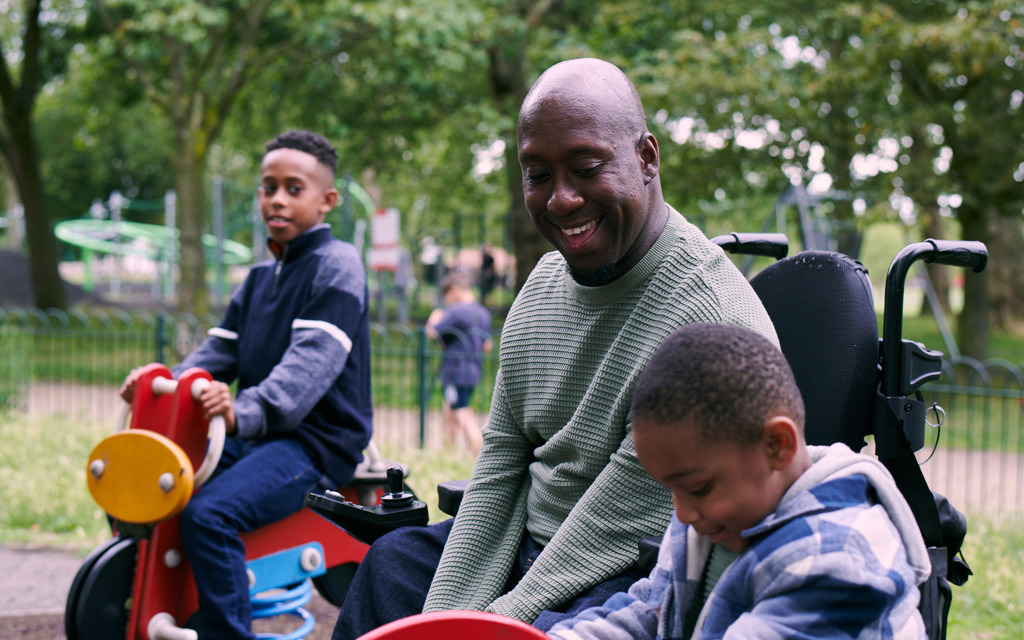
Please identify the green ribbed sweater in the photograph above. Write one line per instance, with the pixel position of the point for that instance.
(558, 457)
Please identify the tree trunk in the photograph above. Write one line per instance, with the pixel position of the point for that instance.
(1006, 273)
(189, 165)
(973, 326)
(935, 228)
(47, 286)
(508, 80)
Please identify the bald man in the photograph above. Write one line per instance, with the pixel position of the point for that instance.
(557, 501)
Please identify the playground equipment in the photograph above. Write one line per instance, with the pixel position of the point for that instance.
(854, 383)
(138, 585)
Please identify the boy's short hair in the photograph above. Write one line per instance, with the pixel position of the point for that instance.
(726, 381)
(454, 279)
(312, 143)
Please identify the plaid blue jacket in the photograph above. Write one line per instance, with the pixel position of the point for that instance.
(840, 558)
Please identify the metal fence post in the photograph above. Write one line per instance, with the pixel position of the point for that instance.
(422, 373)
(161, 338)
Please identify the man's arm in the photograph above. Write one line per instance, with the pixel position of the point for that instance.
(598, 539)
(491, 520)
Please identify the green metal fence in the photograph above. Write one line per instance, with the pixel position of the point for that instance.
(69, 365)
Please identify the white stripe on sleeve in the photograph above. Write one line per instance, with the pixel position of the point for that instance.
(326, 327)
(218, 332)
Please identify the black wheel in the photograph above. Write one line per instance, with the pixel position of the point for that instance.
(71, 606)
(333, 585)
(99, 605)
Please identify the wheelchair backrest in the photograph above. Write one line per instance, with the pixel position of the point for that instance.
(823, 310)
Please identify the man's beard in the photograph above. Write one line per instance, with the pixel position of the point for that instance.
(603, 275)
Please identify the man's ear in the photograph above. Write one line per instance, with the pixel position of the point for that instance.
(782, 440)
(329, 201)
(649, 156)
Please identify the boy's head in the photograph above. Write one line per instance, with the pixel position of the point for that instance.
(297, 183)
(455, 286)
(718, 419)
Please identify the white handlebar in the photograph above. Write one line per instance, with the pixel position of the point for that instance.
(216, 434)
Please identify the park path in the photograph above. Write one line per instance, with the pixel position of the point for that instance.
(988, 482)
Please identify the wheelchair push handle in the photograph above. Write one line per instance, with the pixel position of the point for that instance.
(770, 245)
(967, 254)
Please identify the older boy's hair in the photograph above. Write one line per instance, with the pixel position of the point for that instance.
(312, 143)
(727, 381)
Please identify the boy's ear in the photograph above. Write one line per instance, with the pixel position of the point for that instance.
(330, 200)
(782, 440)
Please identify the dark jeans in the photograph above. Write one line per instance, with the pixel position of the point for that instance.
(393, 579)
(255, 484)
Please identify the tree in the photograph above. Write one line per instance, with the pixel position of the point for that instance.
(193, 59)
(40, 60)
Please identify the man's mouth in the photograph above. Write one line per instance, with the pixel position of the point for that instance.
(575, 231)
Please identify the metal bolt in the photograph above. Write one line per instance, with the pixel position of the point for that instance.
(166, 481)
(96, 468)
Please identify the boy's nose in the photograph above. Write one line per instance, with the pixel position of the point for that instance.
(685, 511)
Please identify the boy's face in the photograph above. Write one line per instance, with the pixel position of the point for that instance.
(718, 488)
(296, 191)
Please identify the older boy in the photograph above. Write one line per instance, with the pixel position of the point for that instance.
(296, 337)
(771, 538)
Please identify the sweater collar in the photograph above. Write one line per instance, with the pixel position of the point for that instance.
(308, 239)
(641, 271)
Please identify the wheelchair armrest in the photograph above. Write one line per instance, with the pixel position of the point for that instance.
(397, 508)
(648, 557)
(449, 495)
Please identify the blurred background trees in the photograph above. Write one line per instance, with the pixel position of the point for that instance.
(909, 111)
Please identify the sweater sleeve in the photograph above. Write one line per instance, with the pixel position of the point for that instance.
(218, 353)
(487, 531)
(598, 539)
(318, 350)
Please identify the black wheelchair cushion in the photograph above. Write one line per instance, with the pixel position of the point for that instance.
(824, 313)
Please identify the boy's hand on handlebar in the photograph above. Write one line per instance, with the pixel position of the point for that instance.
(127, 390)
(217, 401)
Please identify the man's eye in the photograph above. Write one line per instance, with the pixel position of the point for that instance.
(294, 190)
(268, 189)
(587, 172)
(536, 177)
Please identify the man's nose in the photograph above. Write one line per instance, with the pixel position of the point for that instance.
(564, 199)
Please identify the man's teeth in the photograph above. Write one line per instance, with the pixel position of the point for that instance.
(578, 230)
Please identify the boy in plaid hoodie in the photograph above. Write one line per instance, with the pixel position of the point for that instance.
(771, 538)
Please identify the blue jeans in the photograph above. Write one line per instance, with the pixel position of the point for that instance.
(255, 483)
(393, 579)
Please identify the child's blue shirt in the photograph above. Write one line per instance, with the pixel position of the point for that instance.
(841, 557)
(296, 337)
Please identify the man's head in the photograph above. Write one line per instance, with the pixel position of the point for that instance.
(590, 168)
(297, 184)
(718, 419)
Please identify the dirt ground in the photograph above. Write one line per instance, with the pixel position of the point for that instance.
(51, 627)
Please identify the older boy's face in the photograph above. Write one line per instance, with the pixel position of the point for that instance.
(720, 489)
(296, 191)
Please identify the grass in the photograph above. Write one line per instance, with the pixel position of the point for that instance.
(42, 488)
(991, 605)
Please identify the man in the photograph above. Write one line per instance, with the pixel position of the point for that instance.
(558, 501)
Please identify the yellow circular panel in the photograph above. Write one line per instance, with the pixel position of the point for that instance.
(126, 471)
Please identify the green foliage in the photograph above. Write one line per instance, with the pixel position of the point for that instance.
(14, 375)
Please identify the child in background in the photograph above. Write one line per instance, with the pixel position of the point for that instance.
(296, 338)
(463, 328)
(771, 538)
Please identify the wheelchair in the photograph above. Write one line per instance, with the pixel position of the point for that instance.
(138, 585)
(855, 384)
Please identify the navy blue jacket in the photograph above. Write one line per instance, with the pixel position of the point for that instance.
(296, 337)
